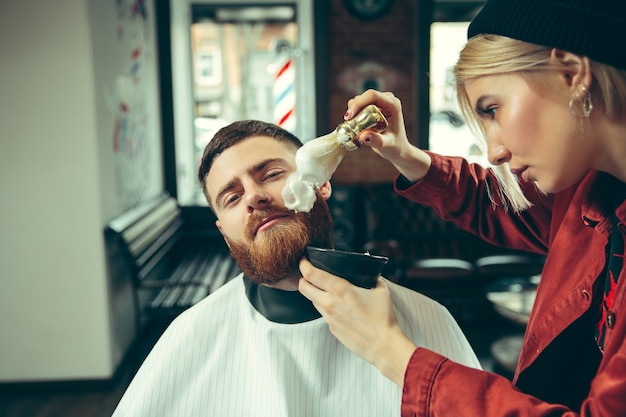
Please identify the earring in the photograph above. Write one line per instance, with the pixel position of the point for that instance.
(581, 107)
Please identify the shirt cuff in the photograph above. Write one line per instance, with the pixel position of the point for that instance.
(419, 379)
(436, 179)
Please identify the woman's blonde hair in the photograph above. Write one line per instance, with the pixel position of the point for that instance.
(494, 54)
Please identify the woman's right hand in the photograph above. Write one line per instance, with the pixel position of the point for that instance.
(393, 144)
(364, 320)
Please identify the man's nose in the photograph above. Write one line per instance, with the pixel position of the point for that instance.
(257, 199)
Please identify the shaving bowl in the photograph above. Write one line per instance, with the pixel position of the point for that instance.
(361, 269)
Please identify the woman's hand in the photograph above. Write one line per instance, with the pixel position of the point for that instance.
(363, 320)
(393, 144)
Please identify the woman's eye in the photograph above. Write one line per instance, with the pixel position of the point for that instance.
(488, 112)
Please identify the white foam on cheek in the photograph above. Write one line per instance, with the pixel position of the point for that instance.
(316, 162)
(299, 191)
(298, 195)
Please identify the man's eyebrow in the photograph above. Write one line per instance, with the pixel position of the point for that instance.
(228, 186)
(251, 171)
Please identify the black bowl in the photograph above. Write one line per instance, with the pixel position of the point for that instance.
(360, 269)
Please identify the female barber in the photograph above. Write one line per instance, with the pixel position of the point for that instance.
(544, 83)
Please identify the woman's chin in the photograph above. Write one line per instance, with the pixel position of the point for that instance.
(551, 187)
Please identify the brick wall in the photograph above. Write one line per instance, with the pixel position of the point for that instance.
(353, 45)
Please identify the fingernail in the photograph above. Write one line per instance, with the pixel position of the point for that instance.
(367, 138)
(347, 115)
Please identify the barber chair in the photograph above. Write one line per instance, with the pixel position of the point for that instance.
(391, 249)
(451, 282)
(511, 265)
(512, 294)
(434, 272)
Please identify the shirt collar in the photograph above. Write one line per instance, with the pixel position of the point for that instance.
(606, 195)
(288, 307)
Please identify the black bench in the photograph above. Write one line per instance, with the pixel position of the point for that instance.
(171, 269)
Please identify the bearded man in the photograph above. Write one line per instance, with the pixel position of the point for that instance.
(256, 346)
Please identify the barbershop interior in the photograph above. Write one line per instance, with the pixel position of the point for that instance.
(115, 238)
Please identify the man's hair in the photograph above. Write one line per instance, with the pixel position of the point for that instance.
(234, 133)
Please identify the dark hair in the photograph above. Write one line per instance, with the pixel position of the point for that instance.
(592, 28)
(234, 133)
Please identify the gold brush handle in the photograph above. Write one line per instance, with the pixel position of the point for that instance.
(370, 118)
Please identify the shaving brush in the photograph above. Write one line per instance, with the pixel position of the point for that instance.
(317, 160)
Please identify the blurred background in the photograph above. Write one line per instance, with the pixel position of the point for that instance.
(106, 106)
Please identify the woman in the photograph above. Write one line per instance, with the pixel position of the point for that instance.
(544, 82)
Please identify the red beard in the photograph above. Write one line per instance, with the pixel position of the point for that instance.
(274, 255)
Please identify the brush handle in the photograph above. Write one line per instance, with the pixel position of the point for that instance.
(370, 118)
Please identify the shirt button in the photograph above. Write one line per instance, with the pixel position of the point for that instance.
(610, 319)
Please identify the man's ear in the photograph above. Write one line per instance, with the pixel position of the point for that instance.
(219, 227)
(575, 69)
(326, 190)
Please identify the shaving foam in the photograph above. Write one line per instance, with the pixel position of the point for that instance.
(316, 161)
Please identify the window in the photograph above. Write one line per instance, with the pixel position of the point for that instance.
(234, 60)
(448, 133)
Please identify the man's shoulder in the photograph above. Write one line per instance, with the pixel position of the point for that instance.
(415, 304)
(431, 325)
(223, 296)
(398, 290)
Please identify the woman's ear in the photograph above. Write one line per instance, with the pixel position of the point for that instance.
(326, 190)
(575, 69)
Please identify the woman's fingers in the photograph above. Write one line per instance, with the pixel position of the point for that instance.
(321, 279)
(363, 320)
(386, 102)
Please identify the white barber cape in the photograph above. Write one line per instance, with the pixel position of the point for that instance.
(223, 358)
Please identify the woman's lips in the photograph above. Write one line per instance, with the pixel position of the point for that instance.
(521, 172)
(268, 222)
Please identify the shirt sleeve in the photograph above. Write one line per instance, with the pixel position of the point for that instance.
(437, 386)
(467, 195)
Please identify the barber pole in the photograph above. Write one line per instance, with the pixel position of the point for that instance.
(285, 93)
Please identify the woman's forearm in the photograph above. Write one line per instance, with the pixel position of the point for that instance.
(393, 355)
(414, 163)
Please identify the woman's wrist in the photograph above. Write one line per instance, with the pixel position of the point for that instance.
(393, 356)
(414, 163)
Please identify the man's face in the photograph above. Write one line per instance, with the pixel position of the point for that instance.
(244, 186)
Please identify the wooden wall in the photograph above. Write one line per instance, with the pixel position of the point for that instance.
(382, 53)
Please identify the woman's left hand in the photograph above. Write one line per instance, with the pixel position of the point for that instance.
(362, 319)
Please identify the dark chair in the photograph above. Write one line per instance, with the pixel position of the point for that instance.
(391, 249)
(511, 265)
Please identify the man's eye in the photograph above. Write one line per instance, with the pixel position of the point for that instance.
(273, 174)
(230, 200)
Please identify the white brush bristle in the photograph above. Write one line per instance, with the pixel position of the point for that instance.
(316, 162)
(325, 150)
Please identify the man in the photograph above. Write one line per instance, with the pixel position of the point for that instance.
(257, 347)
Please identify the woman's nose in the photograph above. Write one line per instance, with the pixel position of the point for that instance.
(497, 153)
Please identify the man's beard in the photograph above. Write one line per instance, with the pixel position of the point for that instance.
(274, 255)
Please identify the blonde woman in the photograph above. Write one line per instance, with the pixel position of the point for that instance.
(544, 82)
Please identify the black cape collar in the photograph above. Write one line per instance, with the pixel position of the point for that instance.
(288, 307)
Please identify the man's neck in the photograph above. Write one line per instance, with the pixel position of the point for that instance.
(288, 284)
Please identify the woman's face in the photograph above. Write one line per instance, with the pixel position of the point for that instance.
(532, 129)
